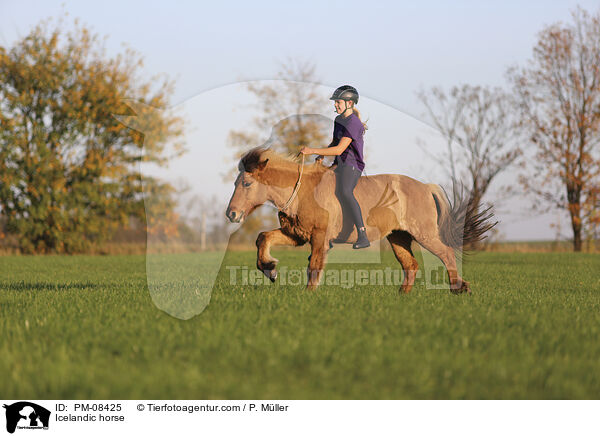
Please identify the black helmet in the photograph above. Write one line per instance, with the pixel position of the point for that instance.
(345, 92)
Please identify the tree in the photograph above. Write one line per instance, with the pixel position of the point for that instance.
(203, 219)
(284, 107)
(559, 100)
(477, 124)
(68, 167)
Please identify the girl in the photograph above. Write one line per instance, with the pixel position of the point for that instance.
(347, 147)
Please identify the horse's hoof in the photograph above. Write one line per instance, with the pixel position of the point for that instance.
(464, 288)
(268, 269)
(404, 290)
(270, 273)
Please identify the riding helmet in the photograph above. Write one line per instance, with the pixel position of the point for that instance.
(345, 92)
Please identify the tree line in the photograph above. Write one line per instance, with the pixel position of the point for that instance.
(69, 170)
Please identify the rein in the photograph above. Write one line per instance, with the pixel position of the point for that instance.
(296, 188)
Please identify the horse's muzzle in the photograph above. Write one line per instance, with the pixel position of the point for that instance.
(234, 216)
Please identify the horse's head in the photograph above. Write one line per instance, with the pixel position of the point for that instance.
(249, 193)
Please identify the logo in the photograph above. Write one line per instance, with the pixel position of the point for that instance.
(26, 415)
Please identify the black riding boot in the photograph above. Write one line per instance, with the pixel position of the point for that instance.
(362, 241)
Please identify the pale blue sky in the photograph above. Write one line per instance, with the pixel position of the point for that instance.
(388, 50)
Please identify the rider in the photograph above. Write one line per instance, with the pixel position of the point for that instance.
(347, 147)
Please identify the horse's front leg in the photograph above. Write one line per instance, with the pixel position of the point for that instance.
(319, 245)
(264, 261)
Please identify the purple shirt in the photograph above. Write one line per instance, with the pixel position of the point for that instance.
(350, 127)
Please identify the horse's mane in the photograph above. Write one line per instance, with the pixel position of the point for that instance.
(249, 161)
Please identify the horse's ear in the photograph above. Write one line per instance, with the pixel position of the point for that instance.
(261, 165)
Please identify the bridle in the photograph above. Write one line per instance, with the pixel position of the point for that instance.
(296, 187)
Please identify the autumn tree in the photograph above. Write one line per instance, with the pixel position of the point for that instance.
(69, 170)
(559, 97)
(478, 126)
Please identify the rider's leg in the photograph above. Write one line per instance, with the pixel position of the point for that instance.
(341, 194)
(348, 176)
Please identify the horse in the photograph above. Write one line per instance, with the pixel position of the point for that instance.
(396, 207)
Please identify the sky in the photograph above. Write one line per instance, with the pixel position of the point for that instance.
(387, 50)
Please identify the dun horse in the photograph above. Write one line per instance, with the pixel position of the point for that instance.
(396, 207)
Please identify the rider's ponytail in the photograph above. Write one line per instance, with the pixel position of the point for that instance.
(357, 113)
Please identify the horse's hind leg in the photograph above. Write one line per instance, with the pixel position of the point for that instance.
(264, 261)
(400, 242)
(446, 255)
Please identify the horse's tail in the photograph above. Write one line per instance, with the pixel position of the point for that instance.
(460, 224)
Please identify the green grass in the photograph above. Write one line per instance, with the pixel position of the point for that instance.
(85, 327)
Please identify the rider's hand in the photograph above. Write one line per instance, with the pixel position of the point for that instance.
(306, 150)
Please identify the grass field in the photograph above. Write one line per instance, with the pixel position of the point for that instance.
(84, 327)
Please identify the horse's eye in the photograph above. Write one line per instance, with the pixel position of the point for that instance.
(246, 184)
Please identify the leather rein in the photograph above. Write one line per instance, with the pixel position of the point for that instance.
(296, 187)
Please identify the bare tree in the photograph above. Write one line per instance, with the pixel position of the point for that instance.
(203, 216)
(282, 106)
(559, 97)
(477, 124)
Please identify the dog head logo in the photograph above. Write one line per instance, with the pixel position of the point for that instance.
(26, 415)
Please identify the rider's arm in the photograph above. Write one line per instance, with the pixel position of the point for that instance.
(320, 156)
(333, 151)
